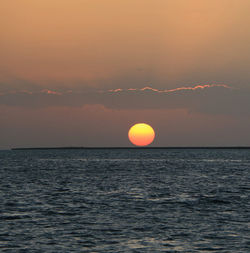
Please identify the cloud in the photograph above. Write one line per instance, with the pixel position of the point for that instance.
(173, 90)
(209, 98)
(51, 92)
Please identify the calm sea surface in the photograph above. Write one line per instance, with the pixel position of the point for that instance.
(125, 200)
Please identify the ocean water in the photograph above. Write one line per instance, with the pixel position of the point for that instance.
(129, 200)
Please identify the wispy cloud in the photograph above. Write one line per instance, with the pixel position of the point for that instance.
(207, 98)
(148, 88)
(117, 90)
(27, 92)
(51, 92)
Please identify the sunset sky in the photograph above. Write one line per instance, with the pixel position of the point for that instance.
(82, 72)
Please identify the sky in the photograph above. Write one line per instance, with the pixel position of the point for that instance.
(82, 72)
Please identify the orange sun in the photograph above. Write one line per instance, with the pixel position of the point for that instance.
(141, 134)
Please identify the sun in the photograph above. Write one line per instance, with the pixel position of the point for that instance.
(141, 134)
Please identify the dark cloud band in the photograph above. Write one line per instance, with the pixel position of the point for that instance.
(213, 98)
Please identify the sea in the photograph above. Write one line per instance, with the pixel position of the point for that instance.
(125, 200)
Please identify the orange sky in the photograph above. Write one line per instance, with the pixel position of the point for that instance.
(93, 42)
(92, 45)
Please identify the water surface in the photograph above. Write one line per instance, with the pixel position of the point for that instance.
(129, 200)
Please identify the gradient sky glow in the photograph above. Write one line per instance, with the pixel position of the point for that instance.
(82, 72)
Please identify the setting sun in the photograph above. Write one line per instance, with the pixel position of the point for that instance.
(141, 134)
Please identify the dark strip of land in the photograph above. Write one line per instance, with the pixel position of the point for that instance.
(87, 148)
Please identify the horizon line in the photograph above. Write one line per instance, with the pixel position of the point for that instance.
(163, 147)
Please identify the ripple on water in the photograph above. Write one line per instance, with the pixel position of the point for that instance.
(125, 201)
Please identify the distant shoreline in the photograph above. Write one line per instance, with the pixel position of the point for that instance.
(89, 148)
